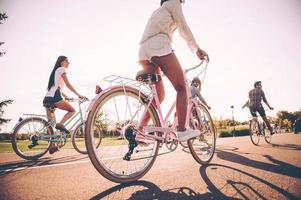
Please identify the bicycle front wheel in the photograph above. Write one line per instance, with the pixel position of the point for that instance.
(267, 136)
(115, 111)
(202, 148)
(28, 138)
(254, 131)
(78, 138)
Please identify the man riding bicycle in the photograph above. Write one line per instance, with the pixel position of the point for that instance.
(256, 95)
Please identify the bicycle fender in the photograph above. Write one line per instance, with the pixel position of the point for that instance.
(98, 96)
(109, 89)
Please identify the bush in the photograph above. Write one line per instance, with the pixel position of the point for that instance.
(225, 134)
(242, 132)
(5, 136)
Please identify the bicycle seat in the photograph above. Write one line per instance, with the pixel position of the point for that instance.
(148, 76)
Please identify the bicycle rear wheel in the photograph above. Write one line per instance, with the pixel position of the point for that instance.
(78, 138)
(254, 131)
(202, 148)
(115, 111)
(27, 138)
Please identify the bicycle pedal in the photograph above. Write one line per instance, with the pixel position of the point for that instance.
(127, 157)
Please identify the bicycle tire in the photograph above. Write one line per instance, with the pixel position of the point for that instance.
(202, 148)
(267, 136)
(254, 130)
(22, 138)
(101, 108)
(78, 138)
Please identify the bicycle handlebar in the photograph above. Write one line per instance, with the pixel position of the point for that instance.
(194, 67)
(80, 100)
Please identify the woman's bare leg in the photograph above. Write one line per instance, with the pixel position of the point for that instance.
(63, 105)
(171, 67)
(50, 115)
(159, 87)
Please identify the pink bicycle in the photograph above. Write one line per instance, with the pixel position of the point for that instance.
(127, 152)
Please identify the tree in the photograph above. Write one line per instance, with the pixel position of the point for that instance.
(2, 104)
(286, 119)
(3, 16)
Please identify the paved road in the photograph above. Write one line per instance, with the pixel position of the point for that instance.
(239, 170)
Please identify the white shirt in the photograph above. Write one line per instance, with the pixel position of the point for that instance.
(166, 20)
(58, 81)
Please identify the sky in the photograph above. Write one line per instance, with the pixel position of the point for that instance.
(247, 41)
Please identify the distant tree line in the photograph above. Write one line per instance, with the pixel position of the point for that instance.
(284, 119)
(3, 120)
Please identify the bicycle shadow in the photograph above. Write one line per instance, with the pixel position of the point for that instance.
(278, 166)
(220, 148)
(238, 184)
(11, 167)
(292, 147)
(148, 190)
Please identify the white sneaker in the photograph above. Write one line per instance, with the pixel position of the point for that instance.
(187, 134)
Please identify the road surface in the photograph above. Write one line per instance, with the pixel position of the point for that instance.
(239, 170)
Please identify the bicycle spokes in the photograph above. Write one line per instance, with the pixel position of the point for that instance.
(28, 140)
(123, 153)
(202, 148)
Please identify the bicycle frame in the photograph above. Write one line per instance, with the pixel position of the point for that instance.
(164, 121)
(56, 137)
(260, 123)
(79, 120)
(154, 99)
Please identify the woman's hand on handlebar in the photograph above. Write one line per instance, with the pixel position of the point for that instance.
(67, 98)
(83, 98)
(202, 55)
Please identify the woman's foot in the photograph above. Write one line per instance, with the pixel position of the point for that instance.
(53, 148)
(61, 127)
(187, 134)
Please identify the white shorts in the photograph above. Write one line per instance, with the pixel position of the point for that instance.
(158, 45)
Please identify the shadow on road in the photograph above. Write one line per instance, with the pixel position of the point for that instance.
(278, 167)
(148, 190)
(7, 168)
(222, 180)
(293, 147)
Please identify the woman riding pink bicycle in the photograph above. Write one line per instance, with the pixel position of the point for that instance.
(156, 54)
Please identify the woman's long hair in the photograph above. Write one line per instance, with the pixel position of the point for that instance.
(162, 1)
(58, 62)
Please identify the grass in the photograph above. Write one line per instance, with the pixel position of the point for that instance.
(228, 132)
(6, 145)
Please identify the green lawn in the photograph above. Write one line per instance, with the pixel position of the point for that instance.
(6, 146)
